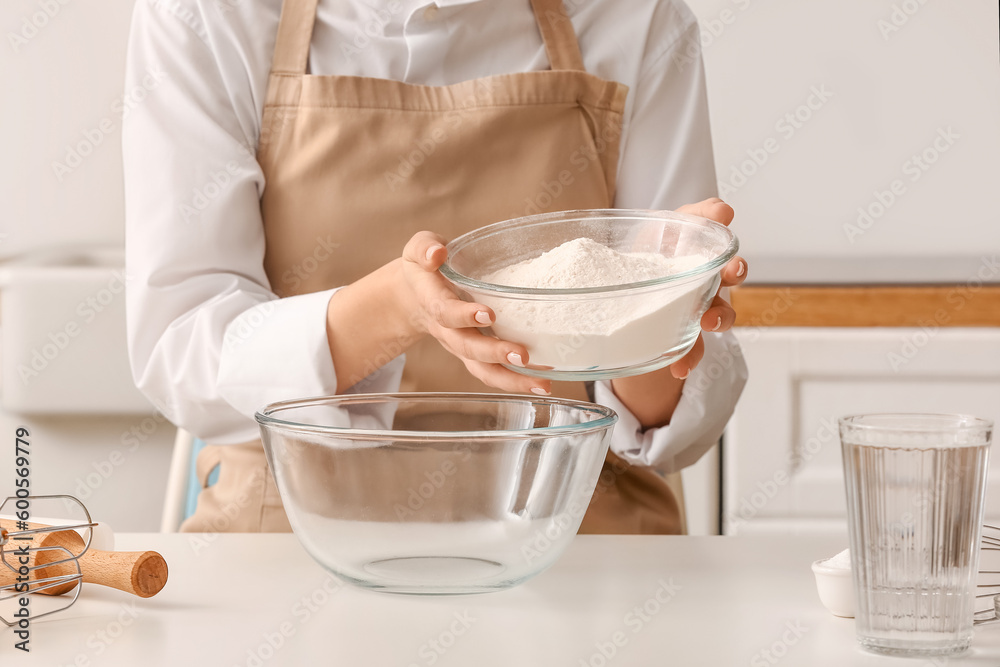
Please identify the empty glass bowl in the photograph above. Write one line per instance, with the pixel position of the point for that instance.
(591, 333)
(435, 493)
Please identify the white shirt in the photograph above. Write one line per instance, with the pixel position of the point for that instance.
(210, 343)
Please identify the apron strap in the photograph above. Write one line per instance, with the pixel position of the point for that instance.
(291, 49)
(561, 45)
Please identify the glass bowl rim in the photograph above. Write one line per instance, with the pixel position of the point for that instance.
(971, 423)
(607, 417)
(580, 214)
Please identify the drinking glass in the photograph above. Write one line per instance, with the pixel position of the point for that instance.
(915, 488)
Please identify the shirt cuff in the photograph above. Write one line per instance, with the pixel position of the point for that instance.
(278, 350)
(707, 401)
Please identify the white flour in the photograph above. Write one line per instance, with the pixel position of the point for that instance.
(841, 561)
(606, 331)
(586, 263)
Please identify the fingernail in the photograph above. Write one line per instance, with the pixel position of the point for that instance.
(718, 323)
(539, 391)
(685, 376)
(515, 359)
(433, 249)
(739, 271)
(483, 317)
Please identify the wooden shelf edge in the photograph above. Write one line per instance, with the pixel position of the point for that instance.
(963, 305)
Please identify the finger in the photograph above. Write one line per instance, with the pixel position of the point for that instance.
(507, 380)
(734, 272)
(426, 249)
(470, 344)
(720, 316)
(446, 308)
(452, 313)
(713, 209)
(682, 367)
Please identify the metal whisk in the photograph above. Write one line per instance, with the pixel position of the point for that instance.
(989, 592)
(31, 560)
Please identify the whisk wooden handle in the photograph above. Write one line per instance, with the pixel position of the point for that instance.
(141, 573)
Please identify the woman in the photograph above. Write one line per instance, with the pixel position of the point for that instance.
(293, 150)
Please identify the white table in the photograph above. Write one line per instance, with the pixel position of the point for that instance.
(256, 600)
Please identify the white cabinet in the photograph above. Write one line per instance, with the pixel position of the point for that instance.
(781, 460)
(63, 344)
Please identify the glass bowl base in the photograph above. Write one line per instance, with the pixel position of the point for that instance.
(435, 575)
(599, 373)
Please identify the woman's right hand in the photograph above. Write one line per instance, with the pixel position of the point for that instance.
(438, 311)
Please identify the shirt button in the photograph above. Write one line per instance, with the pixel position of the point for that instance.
(431, 12)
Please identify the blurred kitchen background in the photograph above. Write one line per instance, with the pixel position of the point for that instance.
(858, 141)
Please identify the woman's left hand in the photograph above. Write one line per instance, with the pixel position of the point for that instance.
(720, 316)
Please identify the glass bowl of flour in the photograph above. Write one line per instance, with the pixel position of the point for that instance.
(594, 294)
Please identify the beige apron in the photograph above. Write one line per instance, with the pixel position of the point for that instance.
(361, 164)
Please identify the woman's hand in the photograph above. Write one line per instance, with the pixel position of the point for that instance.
(438, 311)
(652, 397)
(720, 316)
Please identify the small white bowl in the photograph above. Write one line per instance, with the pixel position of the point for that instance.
(835, 587)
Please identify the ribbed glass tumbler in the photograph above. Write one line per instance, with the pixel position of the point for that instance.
(915, 488)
